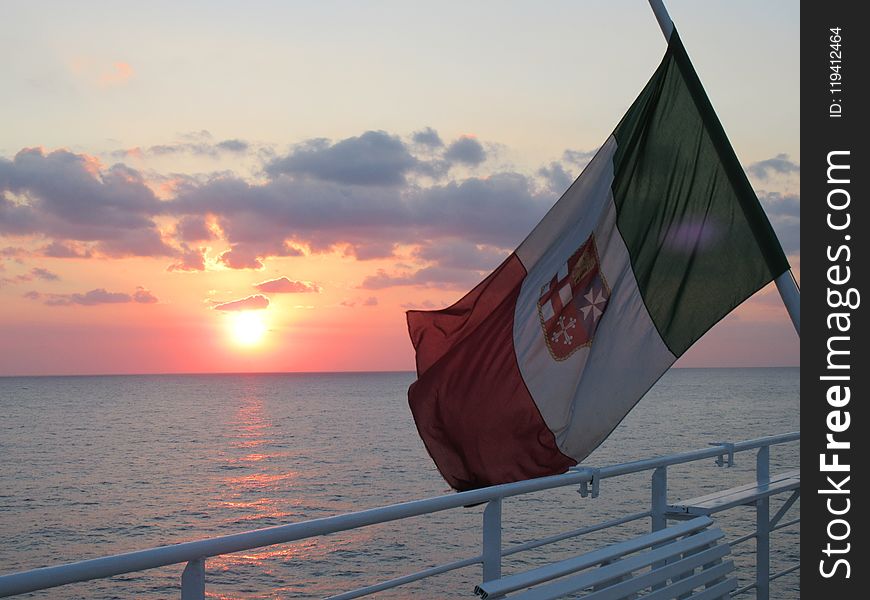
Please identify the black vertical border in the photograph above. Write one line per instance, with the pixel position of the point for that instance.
(821, 134)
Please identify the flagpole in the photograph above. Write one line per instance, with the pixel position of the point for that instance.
(662, 17)
(791, 297)
(785, 283)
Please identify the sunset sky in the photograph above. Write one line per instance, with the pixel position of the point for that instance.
(269, 186)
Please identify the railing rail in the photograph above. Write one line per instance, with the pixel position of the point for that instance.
(195, 553)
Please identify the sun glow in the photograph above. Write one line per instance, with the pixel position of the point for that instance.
(248, 328)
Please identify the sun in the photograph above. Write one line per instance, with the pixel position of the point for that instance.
(247, 328)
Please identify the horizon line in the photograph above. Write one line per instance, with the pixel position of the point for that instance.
(348, 372)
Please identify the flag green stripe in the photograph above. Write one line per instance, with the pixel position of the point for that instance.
(699, 241)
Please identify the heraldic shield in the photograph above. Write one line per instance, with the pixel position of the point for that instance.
(572, 303)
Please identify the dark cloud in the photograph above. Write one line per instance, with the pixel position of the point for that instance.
(341, 196)
(780, 164)
(137, 242)
(427, 137)
(784, 212)
(234, 145)
(371, 250)
(255, 302)
(461, 254)
(97, 296)
(13, 252)
(70, 196)
(282, 285)
(193, 229)
(426, 277)
(278, 217)
(44, 274)
(374, 158)
(370, 301)
(57, 249)
(35, 273)
(557, 178)
(94, 297)
(84, 209)
(498, 210)
(467, 151)
(435, 169)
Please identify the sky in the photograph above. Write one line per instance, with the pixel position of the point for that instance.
(269, 186)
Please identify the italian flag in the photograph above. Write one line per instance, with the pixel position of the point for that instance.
(659, 238)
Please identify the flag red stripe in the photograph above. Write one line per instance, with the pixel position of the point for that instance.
(472, 408)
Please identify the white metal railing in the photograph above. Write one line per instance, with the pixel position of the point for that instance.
(195, 553)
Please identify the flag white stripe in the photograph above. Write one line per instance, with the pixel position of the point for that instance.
(576, 396)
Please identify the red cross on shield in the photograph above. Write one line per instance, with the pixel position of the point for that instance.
(572, 303)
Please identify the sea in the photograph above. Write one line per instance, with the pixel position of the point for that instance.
(94, 466)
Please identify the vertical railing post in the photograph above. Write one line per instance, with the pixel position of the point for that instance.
(193, 580)
(658, 505)
(659, 498)
(762, 528)
(492, 540)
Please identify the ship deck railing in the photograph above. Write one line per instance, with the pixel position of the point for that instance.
(194, 554)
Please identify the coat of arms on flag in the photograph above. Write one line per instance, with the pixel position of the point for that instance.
(573, 301)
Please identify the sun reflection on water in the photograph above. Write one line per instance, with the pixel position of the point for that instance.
(259, 475)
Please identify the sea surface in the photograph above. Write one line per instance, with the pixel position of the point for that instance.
(93, 466)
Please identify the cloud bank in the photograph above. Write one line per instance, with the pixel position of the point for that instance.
(364, 196)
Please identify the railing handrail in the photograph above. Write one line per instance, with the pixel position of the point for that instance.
(692, 455)
(118, 564)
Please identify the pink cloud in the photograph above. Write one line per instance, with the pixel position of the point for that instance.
(370, 301)
(14, 253)
(119, 74)
(282, 285)
(250, 255)
(35, 273)
(255, 302)
(143, 296)
(192, 259)
(425, 305)
(94, 297)
(240, 257)
(91, 298)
